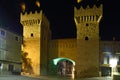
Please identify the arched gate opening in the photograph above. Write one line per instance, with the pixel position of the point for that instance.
(64, 67)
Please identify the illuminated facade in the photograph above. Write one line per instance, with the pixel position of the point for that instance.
(87, 24)
(36, 32)
(10, 52)
(81, 56)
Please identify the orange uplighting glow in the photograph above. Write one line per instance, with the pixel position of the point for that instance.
(23, 6)
(37, 3)
(78, 1)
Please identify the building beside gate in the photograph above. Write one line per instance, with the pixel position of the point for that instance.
(10, 52)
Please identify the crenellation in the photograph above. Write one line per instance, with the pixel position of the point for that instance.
(90, 7)
(87, 7)
(100, 6)
(88, 14)
(82, 8)
(94, 8)
(28, 18)
(31, 13)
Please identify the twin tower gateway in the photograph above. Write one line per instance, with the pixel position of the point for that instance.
(74, 57)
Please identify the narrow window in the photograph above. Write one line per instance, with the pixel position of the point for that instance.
(16, 38)
(81, 18)
(78, 19)
(38, 21)
(30, 22)
(87, 18)
(93, 18)
(31, 34)
(87, 24)
(2, 33)
(106, 59)
(84, 18)
(86, 38)
(10, 67)
(90, 18)
(97, 17)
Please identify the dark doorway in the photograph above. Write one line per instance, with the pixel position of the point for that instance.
(10, 67)
(65, 68)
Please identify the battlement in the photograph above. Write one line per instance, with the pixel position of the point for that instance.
(29, 18)
(88, 14)
(30, 13)
(89, 10)
(91, 7)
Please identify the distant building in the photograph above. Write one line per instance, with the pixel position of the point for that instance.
(83, 56)
(10, 52)
(109, 57)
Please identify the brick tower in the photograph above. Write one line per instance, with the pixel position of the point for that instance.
(36, 35)
(87, 25)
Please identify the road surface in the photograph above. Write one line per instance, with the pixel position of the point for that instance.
(18, 77)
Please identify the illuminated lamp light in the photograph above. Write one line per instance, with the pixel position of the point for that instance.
(107, 53)
(37, 3)
(23, 6)
(78, 1)
(113, 62)
(1, 66)
(56, 60)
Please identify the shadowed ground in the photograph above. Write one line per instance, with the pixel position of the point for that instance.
(15, 77)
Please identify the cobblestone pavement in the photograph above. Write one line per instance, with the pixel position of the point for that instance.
(15, 77)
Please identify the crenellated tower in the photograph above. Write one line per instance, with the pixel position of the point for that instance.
(87, 21)
(36, 34)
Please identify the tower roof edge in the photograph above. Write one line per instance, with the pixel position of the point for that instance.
(31, 12)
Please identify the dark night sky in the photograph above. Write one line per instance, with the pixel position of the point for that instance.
(63, 21)
(60, 14)
(9, 15)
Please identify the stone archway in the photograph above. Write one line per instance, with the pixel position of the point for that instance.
(64, 67)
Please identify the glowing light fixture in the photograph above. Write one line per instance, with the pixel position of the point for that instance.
(113, 62)
(23, 6)
(56, 60)
(78, 1)
(37, 3)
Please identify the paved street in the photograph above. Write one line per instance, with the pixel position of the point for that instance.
(15, 77)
